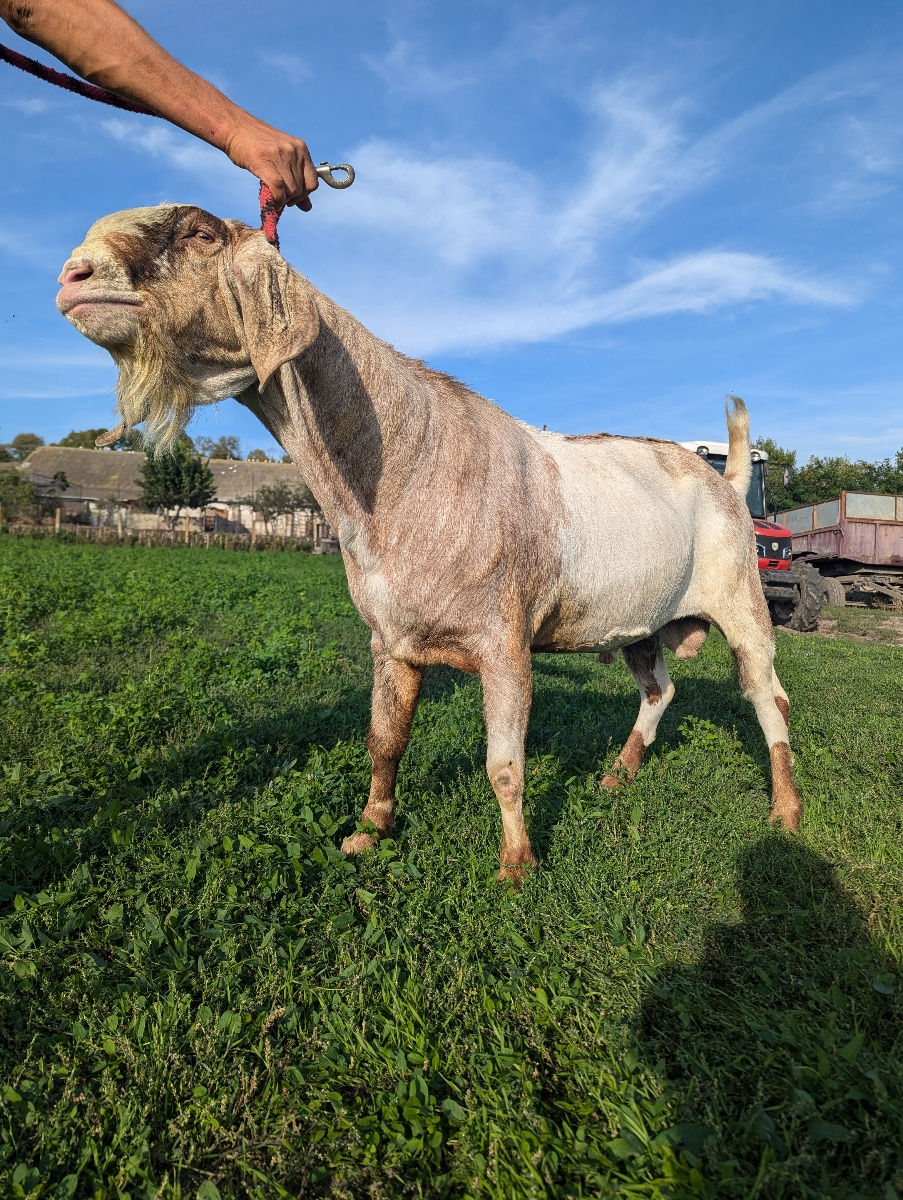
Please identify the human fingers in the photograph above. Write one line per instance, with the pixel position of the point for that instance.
(300, 176)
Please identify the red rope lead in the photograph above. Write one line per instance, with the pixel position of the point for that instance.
(270, 212)
(70, 83)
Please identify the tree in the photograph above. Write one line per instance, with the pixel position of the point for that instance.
(887, 475)
(16, 493)
(258, 456)
(824, 478)
(19, 494)
(278, 499)
(227, 446)
(83, 439)
(778, 472)
(23, 444)
(180, 479)
(5, 455)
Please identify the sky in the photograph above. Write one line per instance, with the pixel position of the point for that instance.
(602, 216)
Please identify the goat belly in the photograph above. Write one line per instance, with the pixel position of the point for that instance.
(565, 629)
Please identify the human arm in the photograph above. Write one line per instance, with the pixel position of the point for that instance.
(103, 44)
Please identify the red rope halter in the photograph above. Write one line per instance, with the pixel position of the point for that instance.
(270, 211)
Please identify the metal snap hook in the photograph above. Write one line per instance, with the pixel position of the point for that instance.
(325, 171)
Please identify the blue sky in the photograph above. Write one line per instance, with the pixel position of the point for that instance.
(603, 216)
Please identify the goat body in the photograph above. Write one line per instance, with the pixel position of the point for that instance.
(469, 538)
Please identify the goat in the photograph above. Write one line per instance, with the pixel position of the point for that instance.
(469, 538)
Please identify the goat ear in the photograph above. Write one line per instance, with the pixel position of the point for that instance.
(278, 312)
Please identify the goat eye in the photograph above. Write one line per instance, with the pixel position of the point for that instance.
(203, 236)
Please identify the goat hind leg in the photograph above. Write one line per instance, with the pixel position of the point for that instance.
(396, 687)
(760, 684)
(646, 662)
(506, 708)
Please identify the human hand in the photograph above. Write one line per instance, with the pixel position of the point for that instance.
(277, 159)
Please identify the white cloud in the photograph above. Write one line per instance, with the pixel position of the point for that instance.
(712, 279)
(28, 107)
(407, 69)
(441, 252)
(177, 149)
(460, 212)
(695, 283)
(292, 66)
(460, 256)
(634, 163)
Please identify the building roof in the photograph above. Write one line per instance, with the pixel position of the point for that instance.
(92, 474)
(236, 479)
(113, 474)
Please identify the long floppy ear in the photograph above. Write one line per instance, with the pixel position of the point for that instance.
(278, 312)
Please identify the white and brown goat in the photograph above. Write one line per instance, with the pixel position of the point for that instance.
(469, 538)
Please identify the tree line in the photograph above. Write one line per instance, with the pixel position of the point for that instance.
(170, 483)
(821, 479)
(228, 446)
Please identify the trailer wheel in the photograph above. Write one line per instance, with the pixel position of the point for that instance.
(812, 597)
(835, 592)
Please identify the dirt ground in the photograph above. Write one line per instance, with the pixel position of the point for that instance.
(883, 625)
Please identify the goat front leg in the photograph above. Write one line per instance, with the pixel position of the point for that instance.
(396, 687)
(506, 705)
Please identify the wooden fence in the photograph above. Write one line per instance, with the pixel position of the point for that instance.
(109, 536)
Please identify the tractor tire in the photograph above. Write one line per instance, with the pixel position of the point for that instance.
(812, 597)
(835, 592)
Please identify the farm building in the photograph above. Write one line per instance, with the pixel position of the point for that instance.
(104, 488)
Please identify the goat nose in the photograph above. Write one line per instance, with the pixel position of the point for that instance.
(76, 271)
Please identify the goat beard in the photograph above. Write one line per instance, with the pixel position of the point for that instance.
(155, 389)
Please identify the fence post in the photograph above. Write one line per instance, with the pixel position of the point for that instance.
(187, 528)
(56, 521)
(119, 523)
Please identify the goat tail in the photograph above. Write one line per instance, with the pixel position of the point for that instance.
(738, 470)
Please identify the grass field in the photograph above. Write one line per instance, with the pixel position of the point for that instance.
(200, 997)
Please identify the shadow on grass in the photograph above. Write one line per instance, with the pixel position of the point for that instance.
(613, 713)
(582, 729)
(782, 1045)
(174, 788)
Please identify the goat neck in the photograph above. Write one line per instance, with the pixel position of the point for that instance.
(362, 421)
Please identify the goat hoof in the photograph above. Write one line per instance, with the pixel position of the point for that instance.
(611, 781)
(788, 817)
(359, 843)
(515, 873)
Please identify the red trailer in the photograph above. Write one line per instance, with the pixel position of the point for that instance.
(856, 543)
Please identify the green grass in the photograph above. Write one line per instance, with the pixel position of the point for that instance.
(201, 997)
